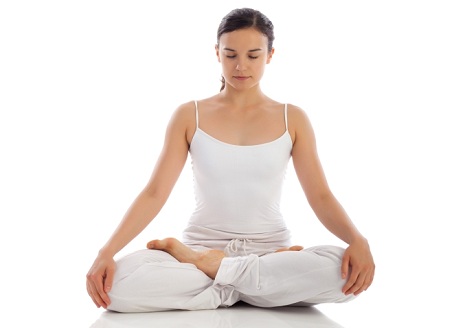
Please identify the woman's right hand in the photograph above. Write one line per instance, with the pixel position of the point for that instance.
(99, 280)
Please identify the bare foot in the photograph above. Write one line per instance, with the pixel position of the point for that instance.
(207, 261)
(292, 248)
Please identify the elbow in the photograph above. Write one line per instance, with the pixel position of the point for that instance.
(153, 192)
(318, 200)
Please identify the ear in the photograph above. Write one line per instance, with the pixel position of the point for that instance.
(270, 55)
(217, 51)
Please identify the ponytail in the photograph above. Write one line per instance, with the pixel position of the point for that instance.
(222, 83)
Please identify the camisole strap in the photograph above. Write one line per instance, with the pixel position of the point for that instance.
(286, 115)
(196, 112)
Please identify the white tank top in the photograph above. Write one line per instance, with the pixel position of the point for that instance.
(238, 188)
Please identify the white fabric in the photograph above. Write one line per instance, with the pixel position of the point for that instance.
(238, 188)
(234, 244)
(150, 280)
(238, 191)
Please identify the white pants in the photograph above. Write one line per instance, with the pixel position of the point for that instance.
(152, 280)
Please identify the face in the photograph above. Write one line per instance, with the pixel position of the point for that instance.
(243, 55)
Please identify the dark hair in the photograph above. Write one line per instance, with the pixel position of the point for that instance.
(242, 18)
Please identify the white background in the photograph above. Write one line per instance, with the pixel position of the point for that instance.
(87, 88)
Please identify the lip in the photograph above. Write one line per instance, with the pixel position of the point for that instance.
(241, 78)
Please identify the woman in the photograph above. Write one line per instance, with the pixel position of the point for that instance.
(236, 246)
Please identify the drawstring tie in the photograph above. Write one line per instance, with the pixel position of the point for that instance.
(232, 247)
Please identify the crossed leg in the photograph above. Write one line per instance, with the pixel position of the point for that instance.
(208, 261)
(169, 275)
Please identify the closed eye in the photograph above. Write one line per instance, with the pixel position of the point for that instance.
(251, 57)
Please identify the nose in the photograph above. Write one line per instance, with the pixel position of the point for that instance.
(240, 66)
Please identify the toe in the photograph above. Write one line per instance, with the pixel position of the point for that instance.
(295, 248)
(154, 244)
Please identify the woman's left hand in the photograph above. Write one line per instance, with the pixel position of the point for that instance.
(357, 261)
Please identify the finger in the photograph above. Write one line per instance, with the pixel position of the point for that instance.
(99, 299)
(365, 285)
(358, 286)
(100, 286)
(91, 295)
(367, 276)
(370, 279)
(350, 282)
(354, 275)
(345, 266)
(108, 283)
(97, 289)
(92, 291)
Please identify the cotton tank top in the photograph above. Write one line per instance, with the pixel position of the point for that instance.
(238, 188)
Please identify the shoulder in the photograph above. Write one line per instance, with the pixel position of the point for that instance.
(182, 121)
(183, 115)
(185, 110)
(296, 112)
(298, 121)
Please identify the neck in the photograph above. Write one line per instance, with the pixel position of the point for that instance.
(242, 98)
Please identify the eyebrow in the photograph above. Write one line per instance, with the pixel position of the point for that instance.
(252, 50)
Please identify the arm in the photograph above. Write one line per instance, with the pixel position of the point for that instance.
(153, 197)
(147, 204)
(325, 205)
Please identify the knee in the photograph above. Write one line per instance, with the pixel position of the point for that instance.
(124, 295)
(120, 303)
(133, 294)
(334, 253)
(131, 280)
(157, 286)
(331, 282)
